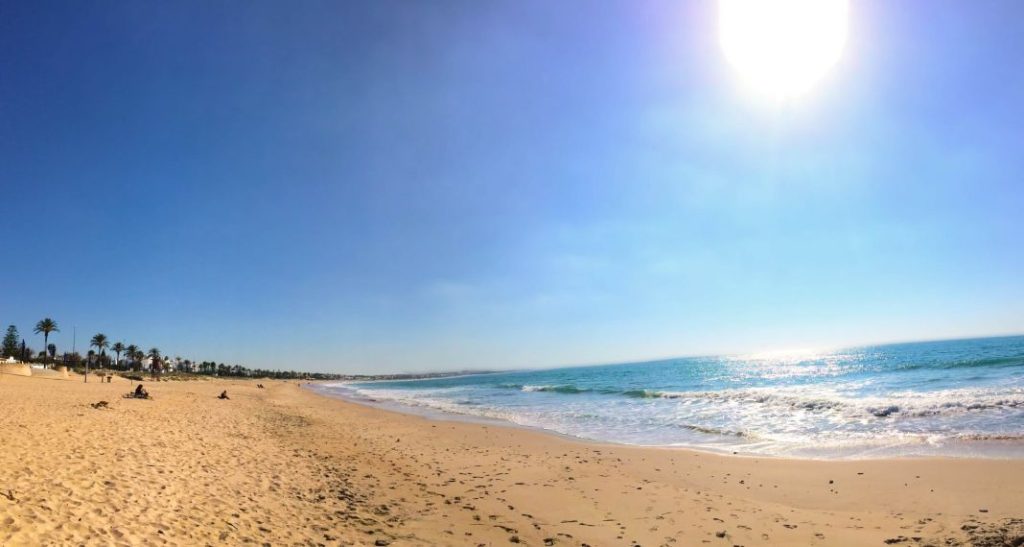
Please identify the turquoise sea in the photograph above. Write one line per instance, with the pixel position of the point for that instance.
(955, 397)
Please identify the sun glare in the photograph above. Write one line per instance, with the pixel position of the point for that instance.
(780, 48)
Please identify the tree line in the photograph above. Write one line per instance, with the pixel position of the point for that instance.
(134, 357)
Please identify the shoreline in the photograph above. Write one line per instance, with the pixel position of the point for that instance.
(986, 449)
(287, 465)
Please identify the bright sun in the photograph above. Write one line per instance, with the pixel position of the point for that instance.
(782, 47)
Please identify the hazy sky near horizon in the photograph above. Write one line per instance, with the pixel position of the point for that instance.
(400, 186)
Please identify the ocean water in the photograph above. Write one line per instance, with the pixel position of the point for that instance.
(957, 398)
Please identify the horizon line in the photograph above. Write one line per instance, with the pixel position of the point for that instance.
(469, 371)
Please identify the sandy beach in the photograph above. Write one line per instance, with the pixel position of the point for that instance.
(286, 466)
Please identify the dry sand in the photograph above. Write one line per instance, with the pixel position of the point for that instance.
(285, 466)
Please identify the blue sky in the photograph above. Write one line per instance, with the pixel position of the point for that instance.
(400, 186)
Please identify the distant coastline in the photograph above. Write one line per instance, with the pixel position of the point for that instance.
(410, 376)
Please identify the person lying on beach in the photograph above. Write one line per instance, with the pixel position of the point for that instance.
(140, 393)
(223, 395)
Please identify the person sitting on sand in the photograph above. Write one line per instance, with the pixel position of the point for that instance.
(223, 395)
(140, 392)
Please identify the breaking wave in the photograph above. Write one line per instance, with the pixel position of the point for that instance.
(569, 390)
(936, 405)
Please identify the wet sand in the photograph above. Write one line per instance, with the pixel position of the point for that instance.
(285, 466)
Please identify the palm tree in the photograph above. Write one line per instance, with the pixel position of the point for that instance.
(129, 353)
(117, 348)
(154, 367)
(45, 327)
(101, 344)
